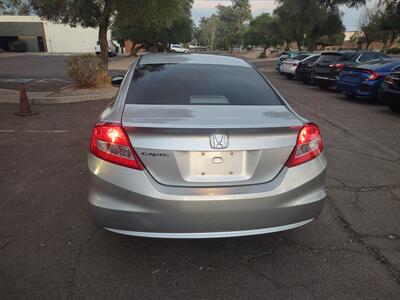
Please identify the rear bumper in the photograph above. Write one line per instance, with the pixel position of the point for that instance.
(288, 71)
(391, 97)
(362, 90)
(131, 202)
(347, 88)
(303, 75)
(200, 235)
(323, 80)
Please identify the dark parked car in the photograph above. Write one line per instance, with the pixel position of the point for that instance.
(305, 67)
(330, 64)
(389, 92)
(364, 80)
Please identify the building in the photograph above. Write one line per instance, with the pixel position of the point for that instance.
(43, 36)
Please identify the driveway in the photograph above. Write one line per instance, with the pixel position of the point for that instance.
(50, 249)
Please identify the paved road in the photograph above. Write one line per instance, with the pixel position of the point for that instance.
(39, 72)
(50, 249)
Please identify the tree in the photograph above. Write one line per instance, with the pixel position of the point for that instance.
(208, 30)
(197, 39)
(99, 13)
(227, 31)
(264, 31)
(232, 24)
(14, 7)
(312, 19)
(381, 22)
(242, 11)
(333, 4)
(95, 14)
(156, 22)
(370, 25)
(390, 20)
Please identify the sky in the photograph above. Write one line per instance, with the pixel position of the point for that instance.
(204, 8)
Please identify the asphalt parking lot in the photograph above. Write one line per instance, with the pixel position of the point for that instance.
(50, 249)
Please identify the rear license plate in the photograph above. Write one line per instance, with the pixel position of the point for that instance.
(216, 166)
(322, 70)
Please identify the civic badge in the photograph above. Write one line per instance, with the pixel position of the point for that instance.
(219, 140)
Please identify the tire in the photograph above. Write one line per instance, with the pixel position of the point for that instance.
(394, 107)
(323, 86)
(289, 76)
(351, 96)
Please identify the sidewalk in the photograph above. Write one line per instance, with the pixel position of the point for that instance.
(64, 96)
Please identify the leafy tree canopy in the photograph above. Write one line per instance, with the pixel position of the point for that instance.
(14, 7)
(308, 19)
(264, 31)
(155, 21)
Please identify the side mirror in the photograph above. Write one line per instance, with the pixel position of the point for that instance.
(117, 80)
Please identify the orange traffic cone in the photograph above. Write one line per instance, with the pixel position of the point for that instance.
(24, 108)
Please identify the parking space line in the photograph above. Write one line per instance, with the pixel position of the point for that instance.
(44, 131)
(33, 131)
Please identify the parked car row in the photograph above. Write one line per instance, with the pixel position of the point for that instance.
(353, 73)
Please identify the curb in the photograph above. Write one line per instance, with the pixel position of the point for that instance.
(263, 59)
(12, 97)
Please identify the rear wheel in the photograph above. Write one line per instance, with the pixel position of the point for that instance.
(350, 96)
(323, 86)
(394, 107)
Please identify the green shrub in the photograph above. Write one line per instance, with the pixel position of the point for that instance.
(86, 71)
(395, 50)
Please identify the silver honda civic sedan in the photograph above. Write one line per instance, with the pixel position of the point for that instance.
(202, 146)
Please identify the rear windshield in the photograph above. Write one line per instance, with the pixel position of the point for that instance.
(335, 57)
(377, 63)
(312, 59)
(301, 56)
(199, 84)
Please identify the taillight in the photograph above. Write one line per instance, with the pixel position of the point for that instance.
(111, 143)
(337, 66)
(308, 145)
(389, 79)
(372, 75)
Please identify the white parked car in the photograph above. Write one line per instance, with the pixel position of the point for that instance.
(112, 49)
(288, 67)
(178, 49)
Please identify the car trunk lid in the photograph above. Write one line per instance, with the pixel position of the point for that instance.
(208, 145)
(353, 75)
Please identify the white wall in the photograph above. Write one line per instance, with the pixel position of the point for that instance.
(62, 38)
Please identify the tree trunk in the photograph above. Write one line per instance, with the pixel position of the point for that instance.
(288, 45)
(392, 39)
(104, 22)
(385, 44)
(299, 46)
(133, 49)
(313, 45)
